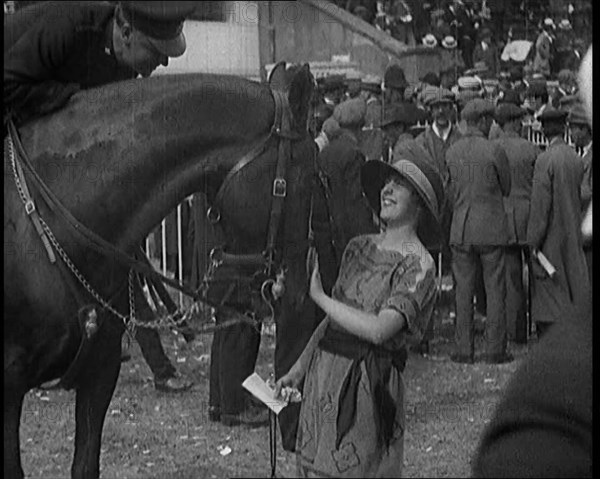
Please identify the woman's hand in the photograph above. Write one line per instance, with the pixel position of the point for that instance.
(316, 286)
(286, 384)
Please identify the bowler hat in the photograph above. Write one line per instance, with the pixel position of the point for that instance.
(477, 108)
(509, 96)
(406, 113)
(394, 77)
(161, 22)
(506, 112)
(431, 78)
(552, 114)
(332, 83)
(536, 89)
(410, 161)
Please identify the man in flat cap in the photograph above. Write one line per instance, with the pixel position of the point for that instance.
(479, 181)
(554, 228)
(54, 49)
(435, 140)
(581, 134)
(507, 96)
(521, 156)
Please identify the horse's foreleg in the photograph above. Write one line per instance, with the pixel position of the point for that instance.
(94, 394)
(14, 394)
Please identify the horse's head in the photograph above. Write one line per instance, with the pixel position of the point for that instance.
(245, 205)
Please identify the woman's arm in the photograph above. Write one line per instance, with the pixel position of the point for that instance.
(375, 328)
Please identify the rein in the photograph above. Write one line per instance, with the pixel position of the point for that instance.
(264, 261)
(83, 234)
(88, 238)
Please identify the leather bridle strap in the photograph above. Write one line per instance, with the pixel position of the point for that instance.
(282, 130)
(279, 183)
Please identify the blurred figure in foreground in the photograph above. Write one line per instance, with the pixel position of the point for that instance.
(542, 426)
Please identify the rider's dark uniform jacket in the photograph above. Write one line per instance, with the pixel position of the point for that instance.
(53, 49)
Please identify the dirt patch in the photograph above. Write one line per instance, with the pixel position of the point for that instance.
(148, 434)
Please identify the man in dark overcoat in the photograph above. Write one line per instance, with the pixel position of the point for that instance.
(554, 227)
(479, 181)
(521, 156)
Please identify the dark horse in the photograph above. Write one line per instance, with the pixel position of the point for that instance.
(120, 158)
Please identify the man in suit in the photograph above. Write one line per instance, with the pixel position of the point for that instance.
(435, 140)
(544, 49)
(487, 52)
(479, 181)
(554, 227)
(581, 133)
(521, 156)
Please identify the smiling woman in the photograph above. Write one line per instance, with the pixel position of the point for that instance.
(352, 416)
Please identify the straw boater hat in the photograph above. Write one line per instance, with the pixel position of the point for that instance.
(449, 42)
(430, 41)
(410, 162)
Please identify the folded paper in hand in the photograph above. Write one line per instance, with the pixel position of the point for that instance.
(541, 257)
(260, 390)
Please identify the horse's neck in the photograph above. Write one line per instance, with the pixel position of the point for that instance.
(125, 173)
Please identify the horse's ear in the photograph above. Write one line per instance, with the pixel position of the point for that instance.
(300, 94)
(278, 77)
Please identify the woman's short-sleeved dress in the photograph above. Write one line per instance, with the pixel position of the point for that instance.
(370, 279)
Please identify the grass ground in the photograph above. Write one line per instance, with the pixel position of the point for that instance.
(152, 435)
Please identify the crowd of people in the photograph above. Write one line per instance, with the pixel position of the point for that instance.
(475, 32)
(441, 181)
(447, 170)
(519, 120)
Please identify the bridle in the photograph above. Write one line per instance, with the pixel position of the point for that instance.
(281, 130)
(265, 263)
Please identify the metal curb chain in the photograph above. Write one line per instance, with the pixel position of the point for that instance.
(130, 322)
(12, 156)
